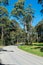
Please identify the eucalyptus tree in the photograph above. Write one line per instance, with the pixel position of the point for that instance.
(24, 15)
(18, 10)
(3, 15)
(15, 31)
(27, 21)
(39, 29)
(3, 12)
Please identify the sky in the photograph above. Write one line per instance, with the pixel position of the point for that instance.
(35, 6)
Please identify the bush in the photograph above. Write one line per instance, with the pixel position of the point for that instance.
(41, 49)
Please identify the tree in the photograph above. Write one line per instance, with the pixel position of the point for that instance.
(39, 29)
(4, 21)
(5, 2)
(27, 20)
(3, 12)
(24, 15)
(5, 26)
(18, 10)
(16, 31)
(41, 2)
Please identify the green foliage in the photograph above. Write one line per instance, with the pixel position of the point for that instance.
(5, 2)
(41, 3)
(3, 11)
(39, 29)
(33, 49)
(24, 15)
(18, 9)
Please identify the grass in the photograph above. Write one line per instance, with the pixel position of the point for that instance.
(34, 49)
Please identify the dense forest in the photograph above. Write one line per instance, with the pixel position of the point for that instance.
(11, 31)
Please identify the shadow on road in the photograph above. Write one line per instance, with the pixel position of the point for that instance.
(1, 62)
(1, 49)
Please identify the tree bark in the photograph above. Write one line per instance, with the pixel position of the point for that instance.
(2, 35)
(27, 38)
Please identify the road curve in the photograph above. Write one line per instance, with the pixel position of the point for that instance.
(11, 55)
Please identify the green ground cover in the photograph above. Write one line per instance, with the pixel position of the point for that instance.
(34, 49)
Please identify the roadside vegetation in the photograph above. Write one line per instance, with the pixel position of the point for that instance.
(34, 49)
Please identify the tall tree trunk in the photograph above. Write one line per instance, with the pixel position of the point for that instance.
(2, 35)
(27, 38)
(17, 39)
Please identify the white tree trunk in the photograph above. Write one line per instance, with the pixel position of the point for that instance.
(27, 39)
(2, 35)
